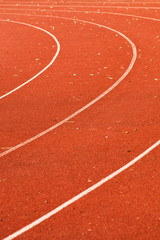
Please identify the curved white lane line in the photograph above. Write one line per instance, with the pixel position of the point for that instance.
(90, 103)
(82, 194)
(68, 2)
(73, 11)
(74, 6)
(46, 67)
(80, 11)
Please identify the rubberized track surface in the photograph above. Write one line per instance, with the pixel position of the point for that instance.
(79, 114)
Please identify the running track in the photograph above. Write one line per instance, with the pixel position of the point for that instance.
(79, 146)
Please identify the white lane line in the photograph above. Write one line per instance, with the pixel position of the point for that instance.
(66, 2)
(82, 194)
(93, 101)
(75, 6)
(79, 11)
(51, 3)
(45, 68)
(85, 11)
(69, 10)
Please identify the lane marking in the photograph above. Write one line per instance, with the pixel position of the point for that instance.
(76, 6)
(93, 101)
(81, 195)
(45, 68)
(74, 11)
(80, 11)
(70, 10)
(51, 3)
(103, 2)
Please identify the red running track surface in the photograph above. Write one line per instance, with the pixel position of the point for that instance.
(45, 173)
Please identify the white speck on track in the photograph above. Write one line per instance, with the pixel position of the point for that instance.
(45, 68)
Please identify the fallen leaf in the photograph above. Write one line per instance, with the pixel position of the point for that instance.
(5, 148)
(70, 122)
(127, 132)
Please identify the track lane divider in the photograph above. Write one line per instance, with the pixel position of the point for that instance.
(45, 68)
